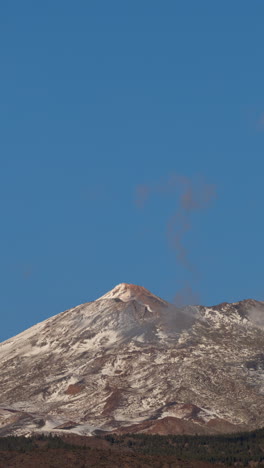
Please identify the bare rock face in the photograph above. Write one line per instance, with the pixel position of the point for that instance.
(130, 361)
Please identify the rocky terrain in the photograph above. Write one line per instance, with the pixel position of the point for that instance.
(132, 362)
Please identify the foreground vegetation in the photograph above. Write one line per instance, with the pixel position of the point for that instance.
(229, 450)
(27, 444)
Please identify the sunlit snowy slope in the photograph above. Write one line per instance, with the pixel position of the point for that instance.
(130, 361)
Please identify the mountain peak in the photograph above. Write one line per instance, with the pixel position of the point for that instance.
(128, 292)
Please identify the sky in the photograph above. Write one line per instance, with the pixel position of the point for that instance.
(131, 150)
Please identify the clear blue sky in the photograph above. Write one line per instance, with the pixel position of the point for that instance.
(98, 98)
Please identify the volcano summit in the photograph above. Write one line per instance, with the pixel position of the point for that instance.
(132, 362)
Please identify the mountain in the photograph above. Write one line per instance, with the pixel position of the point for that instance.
(132, 362)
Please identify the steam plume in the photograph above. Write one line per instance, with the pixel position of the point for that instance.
(191, 196)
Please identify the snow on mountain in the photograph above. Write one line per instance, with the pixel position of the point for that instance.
(132, 361)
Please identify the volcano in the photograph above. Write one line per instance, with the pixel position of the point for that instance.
(132, 362)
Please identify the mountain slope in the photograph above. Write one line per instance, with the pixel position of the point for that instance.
(130, 360)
